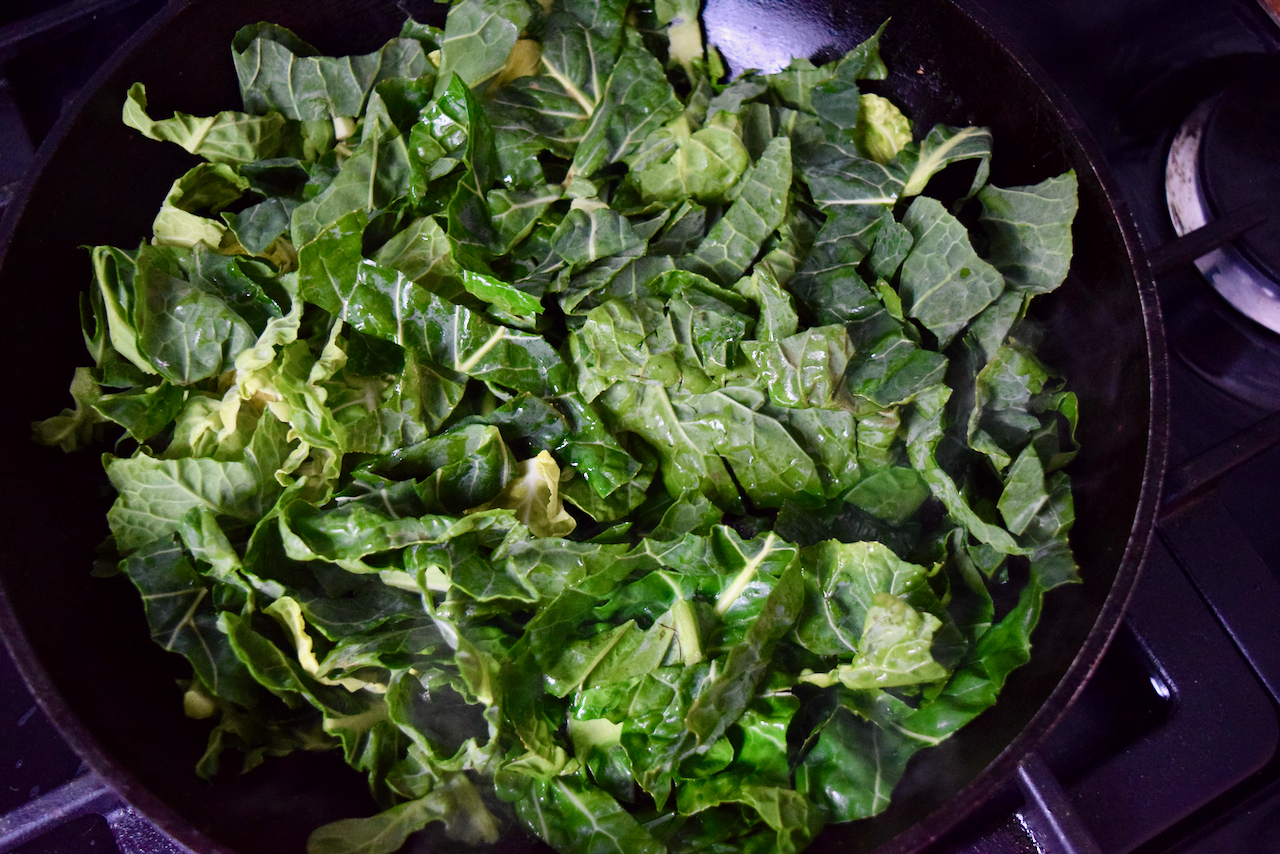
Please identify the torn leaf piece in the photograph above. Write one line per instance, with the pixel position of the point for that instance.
(893, 650)
(534, 494)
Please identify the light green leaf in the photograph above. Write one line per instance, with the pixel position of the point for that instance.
(227, 137)
(278, 72)
(893, 650)
(154, 493)
(478, 37)
(806, 369)
(534, 494)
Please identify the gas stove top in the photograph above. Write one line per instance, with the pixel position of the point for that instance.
(1172, 746)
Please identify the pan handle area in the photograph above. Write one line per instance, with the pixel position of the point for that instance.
(87, 794)
(1049, 814)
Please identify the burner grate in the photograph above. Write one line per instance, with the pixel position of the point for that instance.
(1207, 176)
(1240, 163)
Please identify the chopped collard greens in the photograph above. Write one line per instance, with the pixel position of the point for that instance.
(578, 440)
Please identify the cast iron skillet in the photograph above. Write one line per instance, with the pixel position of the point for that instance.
(82, 642)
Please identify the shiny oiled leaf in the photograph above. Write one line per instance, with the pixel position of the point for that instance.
(728, 424)
(594, 452)
(409, 367)
(976, 683)
(184, 330)
(829, 283)
(763, 754)
(533, 494)
(830, 438)
(806, 369)
(889, 366)
(695, 432)
(892, 494)
(500, 294)
(843, 580)
(580, 44)
(621, 341)
(646, 409)
(578, 818)
(375, 176)
(775, 304)
(514, 213)
(853, 766)
(466, 461)
(352, 531)
(587, 235)
(637, 101)
(427, 255)
(1024, 492)
(730, 692)
(386, 304)
(894, 649)
(704, 166)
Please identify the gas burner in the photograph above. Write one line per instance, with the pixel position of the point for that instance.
(1222, 161)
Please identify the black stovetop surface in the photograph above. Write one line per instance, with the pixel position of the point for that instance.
(1172, 746)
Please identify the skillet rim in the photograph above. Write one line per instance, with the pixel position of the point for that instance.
(962, 803)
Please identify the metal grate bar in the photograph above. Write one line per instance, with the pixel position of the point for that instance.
(84, 795)
(1216, 234)
(1049, 815)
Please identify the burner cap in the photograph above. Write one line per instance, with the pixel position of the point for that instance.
(1224, 164)
(1240, 163)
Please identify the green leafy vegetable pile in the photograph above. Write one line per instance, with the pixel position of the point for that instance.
(575, 439)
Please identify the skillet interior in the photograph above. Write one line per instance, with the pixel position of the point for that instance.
(82, 642)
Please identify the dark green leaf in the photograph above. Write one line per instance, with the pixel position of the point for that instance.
(760, 207)
(944, 282)
(637, 101)
(1030, 231)
(182, 616)
(577, 818)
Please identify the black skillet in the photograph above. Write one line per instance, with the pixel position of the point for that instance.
(81, 642)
